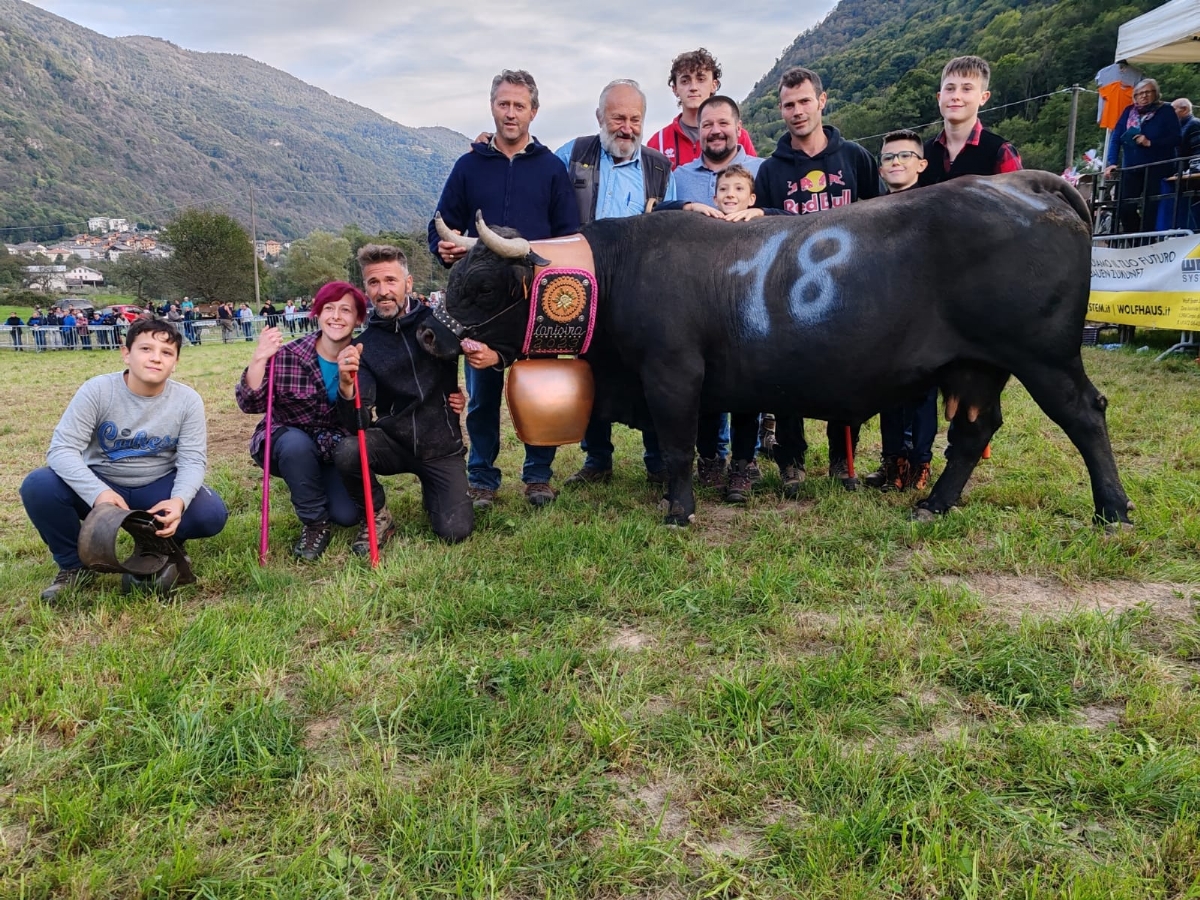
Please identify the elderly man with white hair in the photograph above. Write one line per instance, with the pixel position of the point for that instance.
(1189, 131)
(615, 176)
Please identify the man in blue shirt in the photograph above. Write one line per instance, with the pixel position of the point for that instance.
(720, 143)
(614, 176)
(517, 182)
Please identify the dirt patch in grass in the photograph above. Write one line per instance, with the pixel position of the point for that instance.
(1013, 596)
(319, 732)
(629, 638)
(1101, 715)
(660, 803)
(734, 842)
(229, 434)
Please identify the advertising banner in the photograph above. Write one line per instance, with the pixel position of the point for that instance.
(1157, 286)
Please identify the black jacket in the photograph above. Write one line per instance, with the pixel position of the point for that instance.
(407, 388)
(791, 181)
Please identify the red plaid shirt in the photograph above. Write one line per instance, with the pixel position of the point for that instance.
(1007, 160)
(299, 401)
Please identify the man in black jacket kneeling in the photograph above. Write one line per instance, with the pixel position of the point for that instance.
(416, 400)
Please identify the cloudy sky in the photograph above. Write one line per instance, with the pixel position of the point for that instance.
(424, 64)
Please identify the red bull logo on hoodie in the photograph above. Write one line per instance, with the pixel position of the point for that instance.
(815, 184)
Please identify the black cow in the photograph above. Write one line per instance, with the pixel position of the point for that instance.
(832, 317)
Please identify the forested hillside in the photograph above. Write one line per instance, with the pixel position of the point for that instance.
(136, 126)
(881, 61)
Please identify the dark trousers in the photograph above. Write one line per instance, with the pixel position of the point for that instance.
(597, 446)
(908, 429)
(713, 429)
(791, 446)
(317, 491)
(485, 387)
(443, 482)
(57, 511)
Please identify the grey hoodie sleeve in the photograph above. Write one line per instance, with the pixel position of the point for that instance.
(191, 455)
(73, 435)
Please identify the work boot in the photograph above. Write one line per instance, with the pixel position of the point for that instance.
(884, 475)
(481, 498)
(385, 527)
(658, 478)
(917, 477)
(314, 538)
(64, 580)
(840, 469)
(589, 475)
(737, 489)
(766, 432)
(793, 477)
(539, 494)
(710, 473)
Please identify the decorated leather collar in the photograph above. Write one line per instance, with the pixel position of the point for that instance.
(563, 298)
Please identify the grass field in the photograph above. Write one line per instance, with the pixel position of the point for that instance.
(795, 699)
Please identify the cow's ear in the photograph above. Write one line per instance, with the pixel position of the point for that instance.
(533, 259)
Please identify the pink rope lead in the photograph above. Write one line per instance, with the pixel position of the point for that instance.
(264, 526)
(366, 476)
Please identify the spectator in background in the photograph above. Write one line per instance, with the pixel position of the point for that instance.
(246, 316)
(14, 324)
(36, 321)
(84, 330)
(225, 320)
(1148, 132)
(67, 328)
(271, 313)
(289, 316)
(1189, 132)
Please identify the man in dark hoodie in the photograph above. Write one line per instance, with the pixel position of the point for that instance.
(515, 181)
(416, 427)
(813, 169)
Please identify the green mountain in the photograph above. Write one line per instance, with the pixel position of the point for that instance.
(137, 127)
(881, 62)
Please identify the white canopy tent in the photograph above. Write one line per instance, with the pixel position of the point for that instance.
(1168, 34)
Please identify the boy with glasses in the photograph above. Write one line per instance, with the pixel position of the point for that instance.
(907, 430)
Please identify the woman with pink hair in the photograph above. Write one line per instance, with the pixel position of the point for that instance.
(305, 429)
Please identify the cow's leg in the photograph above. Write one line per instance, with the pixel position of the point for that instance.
(673, 396)
(972, 396)
(1069, 398)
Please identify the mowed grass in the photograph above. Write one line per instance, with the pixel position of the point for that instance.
(793, 699)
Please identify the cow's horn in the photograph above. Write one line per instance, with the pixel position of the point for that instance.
(508, 248)
(446, 234)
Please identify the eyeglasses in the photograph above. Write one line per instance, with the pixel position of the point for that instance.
(902, 155)
(1143, 93)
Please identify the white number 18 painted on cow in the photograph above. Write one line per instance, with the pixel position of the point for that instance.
(813, 295)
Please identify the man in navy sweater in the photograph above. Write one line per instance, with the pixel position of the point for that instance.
(515, 181)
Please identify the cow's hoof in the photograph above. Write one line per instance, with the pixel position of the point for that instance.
(1117, 527)
(921, 514)
(678, 521)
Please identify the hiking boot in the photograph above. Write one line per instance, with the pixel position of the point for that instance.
(710, 473)
(658, 478)
(314, 538)
(589, 475)
(385, 527)
(481, 497)
(539, 494)
(793, 477)
(754, 473)
(884, 475)
(917, 477)
(839, 469)
(737, 489)
(64, 580)
(766, 432)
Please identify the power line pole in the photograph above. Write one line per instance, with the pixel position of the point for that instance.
(254, 250)
(1075, 89)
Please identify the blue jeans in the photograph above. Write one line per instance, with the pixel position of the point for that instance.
(909, 428)
(316, 488)
(598, 446)
(57, 511)
(484, 389)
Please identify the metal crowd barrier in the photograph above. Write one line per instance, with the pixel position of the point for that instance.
(197, 332)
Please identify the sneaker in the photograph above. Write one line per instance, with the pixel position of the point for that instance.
(793, 477)
(539, 494)
(917, 478)
(766, 432)
(481, 497)
(884, 475)
(658, 478)
(314, 538)
(737, 489)
(65, 579)
(589, 475)
(385, 527)
(710, 473)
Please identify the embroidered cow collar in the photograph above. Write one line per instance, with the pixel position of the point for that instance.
(562, 301)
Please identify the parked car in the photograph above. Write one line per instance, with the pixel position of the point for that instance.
(123, 311)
